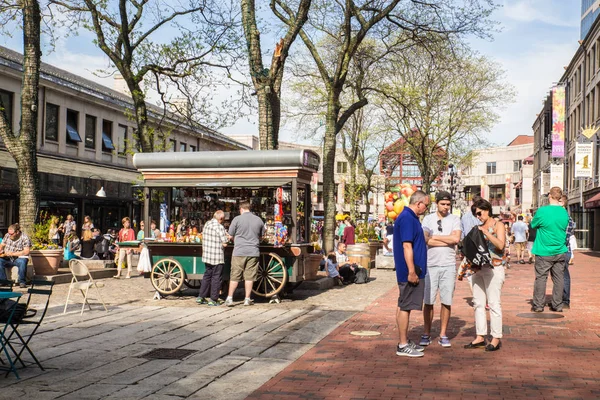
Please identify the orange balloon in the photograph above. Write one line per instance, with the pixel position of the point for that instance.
(389, 206)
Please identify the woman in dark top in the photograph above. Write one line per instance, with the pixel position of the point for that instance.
(88, 244)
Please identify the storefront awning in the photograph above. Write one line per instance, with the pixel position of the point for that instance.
(594, 202)
(216, 183)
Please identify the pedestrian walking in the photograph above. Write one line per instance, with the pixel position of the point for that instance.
(246, 230)
(520, 231)
(530, 240)
(441, 266)
(410, 259)
(126, 234)
(488, 281)
(550, 251)
(67, 227)
(214, 241)
(569, 241)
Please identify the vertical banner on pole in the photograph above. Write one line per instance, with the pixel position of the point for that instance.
(584, 153)
(558, 122)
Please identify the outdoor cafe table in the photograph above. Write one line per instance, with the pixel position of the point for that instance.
(9, 315)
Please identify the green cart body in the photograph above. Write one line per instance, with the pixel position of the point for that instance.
(178, 264)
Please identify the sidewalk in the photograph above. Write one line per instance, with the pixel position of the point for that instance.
(540, 358)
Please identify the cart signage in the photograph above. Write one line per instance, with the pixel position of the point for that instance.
(311, 160)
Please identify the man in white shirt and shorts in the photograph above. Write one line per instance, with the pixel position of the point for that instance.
(445, 231)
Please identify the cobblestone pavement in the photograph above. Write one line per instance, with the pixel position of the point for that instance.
(539, 358)
(234, 350)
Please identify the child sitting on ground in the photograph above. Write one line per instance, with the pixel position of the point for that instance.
(333, 269)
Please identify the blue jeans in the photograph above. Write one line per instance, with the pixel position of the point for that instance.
(567, 287)
(21, 263)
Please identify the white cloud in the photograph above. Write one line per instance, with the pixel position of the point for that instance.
(549, 12)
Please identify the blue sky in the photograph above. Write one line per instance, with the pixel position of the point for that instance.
(537, 39)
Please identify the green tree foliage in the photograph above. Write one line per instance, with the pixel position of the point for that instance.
(336, 30)
(441, 100)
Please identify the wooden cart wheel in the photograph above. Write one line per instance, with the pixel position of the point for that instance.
(167, 276)
(193, 283)
(271, 277)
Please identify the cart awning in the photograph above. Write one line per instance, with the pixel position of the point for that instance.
(217, 183)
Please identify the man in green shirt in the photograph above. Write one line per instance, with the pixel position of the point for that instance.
(550, 251)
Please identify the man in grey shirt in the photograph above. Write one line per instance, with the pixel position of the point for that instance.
(247, 230)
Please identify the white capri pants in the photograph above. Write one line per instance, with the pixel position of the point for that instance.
(487, 288)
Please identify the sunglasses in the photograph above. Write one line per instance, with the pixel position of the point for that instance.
(439, 225)
(478, 213)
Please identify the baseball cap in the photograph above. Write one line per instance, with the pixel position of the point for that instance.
(442, 195)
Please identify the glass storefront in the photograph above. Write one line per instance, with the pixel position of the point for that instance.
(584, 220)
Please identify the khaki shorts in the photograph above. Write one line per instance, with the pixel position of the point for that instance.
(520, 246)
(243, 267)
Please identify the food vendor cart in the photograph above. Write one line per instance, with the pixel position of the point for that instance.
(183, 190)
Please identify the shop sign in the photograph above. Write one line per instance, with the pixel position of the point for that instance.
(558, 122)
(584, 153)
(556, 176)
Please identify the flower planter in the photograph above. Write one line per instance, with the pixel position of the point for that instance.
(46, 262)
(311, 266)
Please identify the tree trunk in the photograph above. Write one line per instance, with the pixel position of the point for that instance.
(329, 144)
(23, 149)
(269, 108)
(145, 137)
(352, 189)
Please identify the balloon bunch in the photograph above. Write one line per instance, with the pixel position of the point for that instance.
(396, 201)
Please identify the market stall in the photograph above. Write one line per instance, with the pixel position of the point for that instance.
(183, 190)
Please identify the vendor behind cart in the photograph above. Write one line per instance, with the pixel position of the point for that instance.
(246, 230)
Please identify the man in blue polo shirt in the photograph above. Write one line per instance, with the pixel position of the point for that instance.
(410, 259)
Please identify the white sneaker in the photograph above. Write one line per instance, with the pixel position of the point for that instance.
(408, 351)
(248, 302)
(229, 302)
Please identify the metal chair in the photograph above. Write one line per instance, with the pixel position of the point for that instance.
(26, 316)
(82, 280)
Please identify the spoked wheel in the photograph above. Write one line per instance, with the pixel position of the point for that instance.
(193, 283)
(167, 276)
(271, 277)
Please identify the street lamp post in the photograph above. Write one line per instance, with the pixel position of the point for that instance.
(452, 173)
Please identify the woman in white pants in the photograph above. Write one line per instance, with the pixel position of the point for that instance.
(487, 282)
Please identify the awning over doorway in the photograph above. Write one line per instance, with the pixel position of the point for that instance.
(594, 202)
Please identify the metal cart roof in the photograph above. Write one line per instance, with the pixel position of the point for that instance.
(226, 168)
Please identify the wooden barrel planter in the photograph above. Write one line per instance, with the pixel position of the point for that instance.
(360, 254)
(46, 262)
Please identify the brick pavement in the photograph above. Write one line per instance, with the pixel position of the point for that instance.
(557, 358)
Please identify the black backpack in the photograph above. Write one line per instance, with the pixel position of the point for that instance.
(361, 276)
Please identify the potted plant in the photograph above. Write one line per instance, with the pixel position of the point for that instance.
(365, 233)
(45, 255)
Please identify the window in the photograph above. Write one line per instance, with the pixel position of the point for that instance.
(490, 168)
(122, 139)
(409, 170)
(172, 145)
(342, 167)
(6, 105)
(192, 148)
(72, 132)
(182, 147)
(51, 122)
(107, 142)
(90, 132)
(517, 165)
